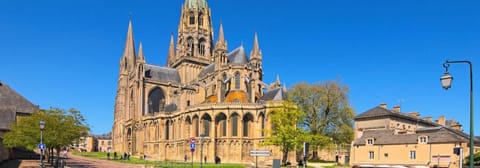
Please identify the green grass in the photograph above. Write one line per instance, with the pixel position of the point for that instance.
(134, 160)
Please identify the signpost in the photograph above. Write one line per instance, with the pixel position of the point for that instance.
(262, 153)
(192, 147)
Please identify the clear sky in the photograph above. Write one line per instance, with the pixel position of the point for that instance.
(66, 53)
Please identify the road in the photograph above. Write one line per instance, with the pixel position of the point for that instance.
(72, 162)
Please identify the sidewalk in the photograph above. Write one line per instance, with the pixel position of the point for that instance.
(24, 164)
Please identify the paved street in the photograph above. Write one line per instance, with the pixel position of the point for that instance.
(73, 162)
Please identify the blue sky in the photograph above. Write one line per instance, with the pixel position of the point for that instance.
(66, 53)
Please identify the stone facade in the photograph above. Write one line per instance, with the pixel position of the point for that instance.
(204, 89)
(388, 138)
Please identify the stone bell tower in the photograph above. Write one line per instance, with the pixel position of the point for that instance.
(195, 40)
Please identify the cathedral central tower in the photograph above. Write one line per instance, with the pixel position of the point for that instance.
(195, 40)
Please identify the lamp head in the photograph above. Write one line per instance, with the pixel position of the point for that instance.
(446, 80)
(42, 124)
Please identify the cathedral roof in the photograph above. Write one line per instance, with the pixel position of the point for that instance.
(163, 74)
(277, 94)
(208, 69)
(11, 103)
(196, 3)
(238, 56)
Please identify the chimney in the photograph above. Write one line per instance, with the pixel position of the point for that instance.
(429, 119)
(383, 105)
(414, 114)
(455, 125)
(441, 120)
(396, 108)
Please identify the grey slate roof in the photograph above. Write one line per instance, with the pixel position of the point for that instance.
(163, 74)
(208, 69)
(435, 135)
(11, 103)
(275, 95)
(383, 112)
(170, 108)
(238, 56)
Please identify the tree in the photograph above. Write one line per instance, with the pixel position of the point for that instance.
(61, 129)
(476, 159)
(284, 132)
(327, 110)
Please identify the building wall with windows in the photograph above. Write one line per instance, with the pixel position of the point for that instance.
(104, 145)
(388, 137)
(204, 89)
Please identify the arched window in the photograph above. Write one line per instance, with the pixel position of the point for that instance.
(247, 120)
(206, 119)
(130, 105)
(156, 101)
(195, 125)
(221, 125)
(129, 134)
(237, 80)
(157, 131)
(192, 18)
(201, 47)
(234, 124)
(262, 120)
(190, 46)
(167, 130)
(200, 19)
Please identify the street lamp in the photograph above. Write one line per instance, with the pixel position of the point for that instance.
(201, 148)
(42, 126)
(446, 80)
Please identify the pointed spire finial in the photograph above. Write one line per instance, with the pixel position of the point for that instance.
(221, 39)
(277, 80)
(129, 50)
(171, 50)
(256, 53)
(140, 53)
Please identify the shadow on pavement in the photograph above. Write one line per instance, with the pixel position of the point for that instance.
(10, 164)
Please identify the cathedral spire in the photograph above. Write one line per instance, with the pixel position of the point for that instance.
(221, 43)
(277, 81)
(129, 51)
(171, 51)
(141, 58)
(256, 53)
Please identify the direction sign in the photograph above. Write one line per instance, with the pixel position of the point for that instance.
(192, 147)
(41, 146)
(260, 153)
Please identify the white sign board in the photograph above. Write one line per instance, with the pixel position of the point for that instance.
(260, 153)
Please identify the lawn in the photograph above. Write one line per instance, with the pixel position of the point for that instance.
(134, 160)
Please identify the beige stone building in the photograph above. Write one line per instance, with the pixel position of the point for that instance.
(104, 143)
(390, 138)
(204, 89)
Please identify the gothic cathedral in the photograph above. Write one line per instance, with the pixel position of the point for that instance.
(205, 92)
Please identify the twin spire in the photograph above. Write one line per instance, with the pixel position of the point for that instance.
(129, 51)
(171, 51)
(256, 53)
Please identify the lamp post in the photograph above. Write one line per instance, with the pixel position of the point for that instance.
(201, 148)
(446, 80)
(42, 126)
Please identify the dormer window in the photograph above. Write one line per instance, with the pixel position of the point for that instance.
(370, 141)
(422, 139)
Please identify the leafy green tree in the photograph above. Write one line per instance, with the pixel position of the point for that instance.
(327, 111)
(476, 159)
(61, 129)
(284, 132)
